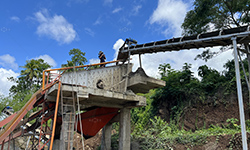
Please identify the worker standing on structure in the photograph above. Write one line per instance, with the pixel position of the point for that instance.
(102, 58)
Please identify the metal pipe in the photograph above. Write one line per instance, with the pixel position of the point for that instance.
(140, 60)
(55, 116)
(2, 144)
(27, 146)
(240, 99)
(43, 79)
(65, 68)
(248, 59)
(244, 71)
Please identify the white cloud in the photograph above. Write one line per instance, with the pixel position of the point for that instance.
(15, 18)
(94, 61)
(56, 27)
(116, 47)
(125, 21)
(136, 9)
(169, 14)
(98, 21)
(76, 1)
(5, 84)
(47, 59)
(89, 32)
(116, 10)
(151, 62)
(8, 61)
(108, 2)
(218, 61)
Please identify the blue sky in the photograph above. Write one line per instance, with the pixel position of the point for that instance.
(50, 29)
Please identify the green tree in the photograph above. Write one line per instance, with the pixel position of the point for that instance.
(165, 69)
(33, 70)
(229, 73)
(29, 81)
(77, 58)
(181, 87)
(30, 70)
(210, 15)
(220, 14)
(211, 80)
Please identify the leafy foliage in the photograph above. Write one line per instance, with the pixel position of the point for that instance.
(211, 80)
(209, 15)
(27, 83)
(182, 90)
(77, 58)
(180, 86)
(30, 78)
(4, 102)
(140, 116)
(216, 13)
(233, 123)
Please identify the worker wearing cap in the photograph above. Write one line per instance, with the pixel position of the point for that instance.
(102, 58)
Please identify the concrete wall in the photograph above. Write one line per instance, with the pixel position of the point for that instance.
(111, 77)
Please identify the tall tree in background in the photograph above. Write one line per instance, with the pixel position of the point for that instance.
(29, 81)
(77, 58)
(208, 15)
(33, 70)
(217, 14)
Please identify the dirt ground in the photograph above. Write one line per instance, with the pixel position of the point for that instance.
(89, 144)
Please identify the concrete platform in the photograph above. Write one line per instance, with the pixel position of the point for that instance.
(98, 97)
(84, 84)
(139, 82)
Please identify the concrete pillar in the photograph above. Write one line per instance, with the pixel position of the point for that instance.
(125, 130)
(106, 137)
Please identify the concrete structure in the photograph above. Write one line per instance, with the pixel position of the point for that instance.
(104, 87)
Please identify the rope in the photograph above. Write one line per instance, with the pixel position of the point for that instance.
(126, 75)
(116, 84)
(63, 125)
(78, 109)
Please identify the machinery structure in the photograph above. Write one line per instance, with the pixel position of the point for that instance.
(86, 100)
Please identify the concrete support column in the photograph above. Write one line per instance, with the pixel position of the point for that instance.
(125, 130)
(106, 137)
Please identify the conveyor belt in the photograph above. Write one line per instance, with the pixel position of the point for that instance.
(17, 118)
(210, 39)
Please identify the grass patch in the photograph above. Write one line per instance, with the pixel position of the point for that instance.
(160, 135)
